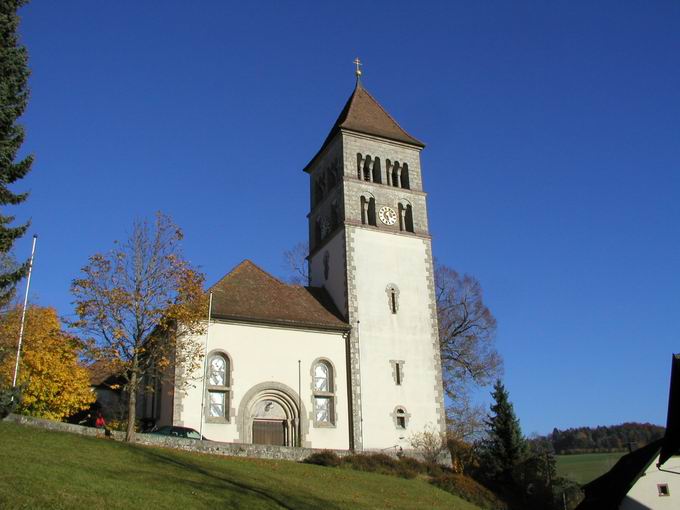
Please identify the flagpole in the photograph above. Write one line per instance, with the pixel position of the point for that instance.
(23, 315)
(205, 367)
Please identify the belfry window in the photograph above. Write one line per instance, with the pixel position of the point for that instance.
(395, 174)
(408, 218)
(367, 169)
(404, 177)
(218, 388)
(377, 172)
(367, 211)
(371, 211)
(323, 390)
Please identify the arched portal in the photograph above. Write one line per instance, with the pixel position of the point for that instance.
(270, 413)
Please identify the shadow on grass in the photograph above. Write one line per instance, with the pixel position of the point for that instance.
(302, 501)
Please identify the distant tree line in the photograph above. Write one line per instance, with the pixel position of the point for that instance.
(603, 439)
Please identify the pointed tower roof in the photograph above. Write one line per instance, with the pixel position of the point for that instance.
(363, 114)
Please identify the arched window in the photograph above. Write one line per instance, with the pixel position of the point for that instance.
(359, 165)
(408, 218)
(404, 177)
(402, 212)
(218, 387)
(371, 211)
(401, 418)
(367, 169)
(377, 172)
(364, 210)
(323, 390)
(395, 174)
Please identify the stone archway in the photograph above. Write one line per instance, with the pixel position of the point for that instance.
(272, 413)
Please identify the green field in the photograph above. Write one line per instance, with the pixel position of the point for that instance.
(42, 469)
(586, 466)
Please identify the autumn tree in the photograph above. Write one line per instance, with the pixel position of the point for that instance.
(54, 385)
(140, 303)
(14, 74)
(469, 358)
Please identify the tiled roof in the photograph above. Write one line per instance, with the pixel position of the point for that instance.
(104, 373)
(251, 294)
(363, 114)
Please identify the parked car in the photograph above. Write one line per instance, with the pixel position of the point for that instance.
(173, 431)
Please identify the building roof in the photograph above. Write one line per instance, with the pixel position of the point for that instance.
(363, 114)
(251, 294)
(104, 373)
(607, 491)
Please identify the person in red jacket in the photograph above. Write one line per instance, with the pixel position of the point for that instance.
(100, 423)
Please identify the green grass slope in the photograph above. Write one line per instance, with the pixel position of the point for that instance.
(585, 467)
(42, 469)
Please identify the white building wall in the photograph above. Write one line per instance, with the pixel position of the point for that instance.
(262, 354)
(382, 259)
(645, 493)
(335, 283)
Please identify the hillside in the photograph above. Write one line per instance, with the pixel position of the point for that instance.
(604, 438)
(42, 469)
(585, 467)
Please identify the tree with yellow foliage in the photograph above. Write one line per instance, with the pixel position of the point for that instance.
(140, 304)
(53, 383)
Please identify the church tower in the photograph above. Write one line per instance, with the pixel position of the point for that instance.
(370, 248)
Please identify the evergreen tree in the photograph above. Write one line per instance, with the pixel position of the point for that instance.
(504, 448)
(13, 100)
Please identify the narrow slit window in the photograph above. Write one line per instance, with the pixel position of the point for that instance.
(393, 300)
(397, 368)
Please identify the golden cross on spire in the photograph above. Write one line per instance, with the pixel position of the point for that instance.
(357, 62)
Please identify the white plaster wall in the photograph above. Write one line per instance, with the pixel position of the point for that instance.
(262, 354)
(335, 285)
(645, 495)
(381, 259)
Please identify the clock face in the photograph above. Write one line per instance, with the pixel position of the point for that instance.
(387, 215)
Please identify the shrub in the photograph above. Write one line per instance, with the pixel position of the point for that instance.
(415, 465)
(324, 458)
(10, 399)
(469, 490)
(379, 463)
(430, 443)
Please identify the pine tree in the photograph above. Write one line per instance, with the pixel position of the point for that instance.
(13, 100)
(505, 448)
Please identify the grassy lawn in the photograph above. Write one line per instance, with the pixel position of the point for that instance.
(42, 469)
(585, 467)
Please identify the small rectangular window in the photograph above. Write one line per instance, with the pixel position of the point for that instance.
(401, 422)
(217, 404)
(397, 367)
(323, 409)
(663, 489)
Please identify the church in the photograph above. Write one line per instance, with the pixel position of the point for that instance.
(350, 361)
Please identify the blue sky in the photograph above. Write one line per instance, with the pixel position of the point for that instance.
(552, 159)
